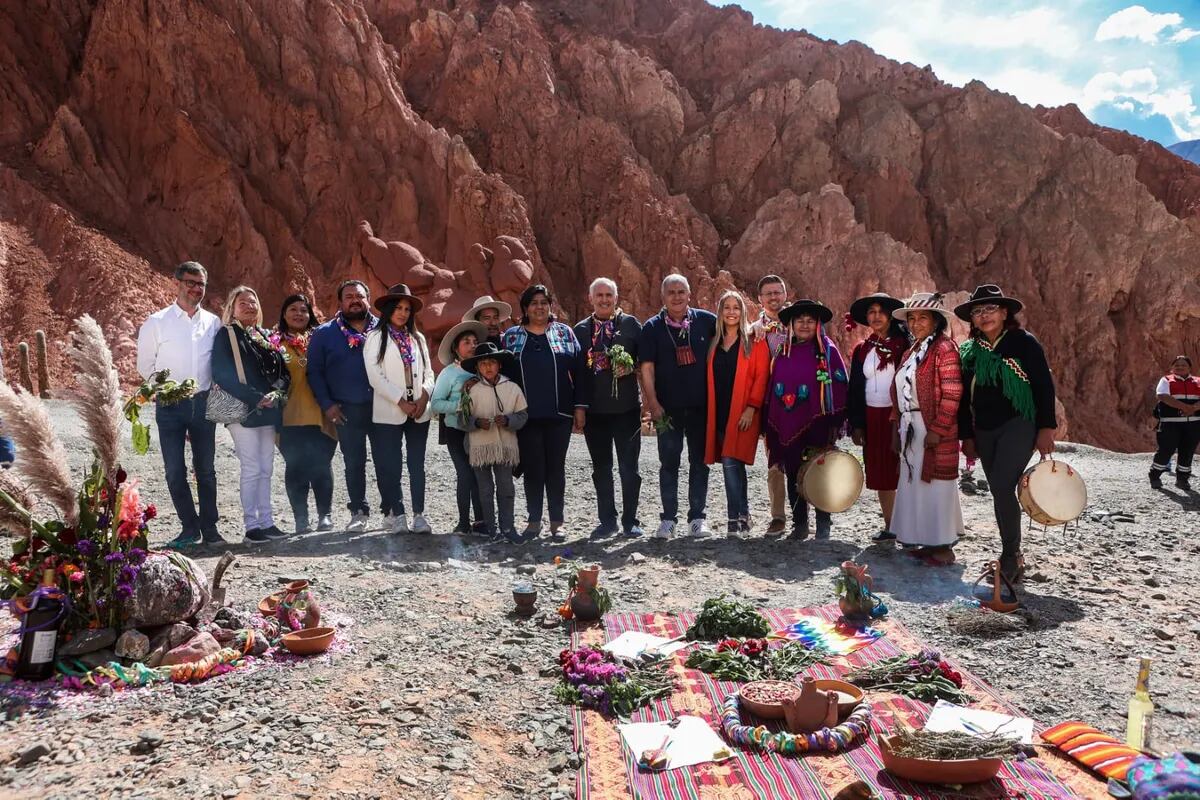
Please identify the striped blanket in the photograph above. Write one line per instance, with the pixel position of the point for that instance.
(610, 773)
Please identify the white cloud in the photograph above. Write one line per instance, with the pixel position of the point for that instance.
(1136, 22)
(1138, 90)
(1183, 35)
(1034, 87)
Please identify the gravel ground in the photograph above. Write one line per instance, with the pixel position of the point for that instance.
(436, 689)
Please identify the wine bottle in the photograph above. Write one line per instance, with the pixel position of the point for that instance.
(1141, 710)
(35, 656)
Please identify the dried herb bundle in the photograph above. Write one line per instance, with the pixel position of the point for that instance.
(952, 745)
(968, 621)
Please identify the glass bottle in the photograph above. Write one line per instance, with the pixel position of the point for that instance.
(1141, 710)
(35, 656)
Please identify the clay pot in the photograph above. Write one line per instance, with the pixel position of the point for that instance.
(975, 770)
(856, 613)
(525, 602)
(297, 596)
(812, 710)
(587, 577)
(848, 695)
(270, 603)
(765, 710)
(584, 607)
(308, 641)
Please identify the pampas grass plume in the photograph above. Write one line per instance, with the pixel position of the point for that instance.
(98, 399)
(41, 457)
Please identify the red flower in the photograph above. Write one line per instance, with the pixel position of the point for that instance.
(728, 644)
(949, 674)
(754, 647)
(150, 513)
(121, 476)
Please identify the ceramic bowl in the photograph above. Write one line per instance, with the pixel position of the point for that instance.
(268, 604)
(975, 770)
(849, 695)
(308, 641)
(766, 710)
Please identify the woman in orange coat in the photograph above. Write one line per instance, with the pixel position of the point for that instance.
(738, 368)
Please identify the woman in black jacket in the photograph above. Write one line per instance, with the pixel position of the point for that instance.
(262, 385)
(1007, 407)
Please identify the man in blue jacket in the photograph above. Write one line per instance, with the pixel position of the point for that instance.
(338, 378)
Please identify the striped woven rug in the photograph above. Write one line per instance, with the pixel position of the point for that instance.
(610, 773)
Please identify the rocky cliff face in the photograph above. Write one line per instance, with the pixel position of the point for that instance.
(628, 138)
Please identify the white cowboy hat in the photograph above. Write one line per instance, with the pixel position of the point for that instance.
(923, 301)
(446, 347)
(486, 301)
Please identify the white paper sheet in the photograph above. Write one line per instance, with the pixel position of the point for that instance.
(949, 717)
(631, 644)
(691, 742)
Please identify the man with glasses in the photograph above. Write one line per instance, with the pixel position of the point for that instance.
(180, 338)
(337, 375)
(772, 295)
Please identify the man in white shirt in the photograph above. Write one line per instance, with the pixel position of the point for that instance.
(180, 338)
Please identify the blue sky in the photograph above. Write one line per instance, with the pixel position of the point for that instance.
(1134, 66)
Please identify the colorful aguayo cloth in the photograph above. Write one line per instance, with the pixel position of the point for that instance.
(836, 638)
(611, 773)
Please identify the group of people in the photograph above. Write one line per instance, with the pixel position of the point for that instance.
(508, 398)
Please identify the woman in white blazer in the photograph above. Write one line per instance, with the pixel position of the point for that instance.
(401, 374)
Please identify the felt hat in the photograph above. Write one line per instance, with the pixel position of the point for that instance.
(814, 307)
(399, 292)
(859, 308)
(485, 350)
(486, 302)
(923, 301)
(987, 294)
(450, 338)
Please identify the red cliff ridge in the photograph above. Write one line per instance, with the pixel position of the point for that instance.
(469, 147)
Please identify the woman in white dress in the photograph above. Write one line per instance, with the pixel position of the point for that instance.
(925, 397)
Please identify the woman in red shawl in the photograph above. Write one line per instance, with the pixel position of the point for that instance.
(806, 398)
(872, 371)
(925, 398)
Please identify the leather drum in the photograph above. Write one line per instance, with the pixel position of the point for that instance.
(832, 480)
(1052, 493)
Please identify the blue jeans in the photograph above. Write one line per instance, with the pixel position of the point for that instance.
(177, 424)
(689, 424)
(353, 436)
(737, 499)
(411, 438)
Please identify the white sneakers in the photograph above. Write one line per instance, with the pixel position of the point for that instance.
(665, 529)
(698, 528)
(421, 525)
(358, 523)
(400, 523)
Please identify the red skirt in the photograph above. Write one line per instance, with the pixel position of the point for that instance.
(883, 466)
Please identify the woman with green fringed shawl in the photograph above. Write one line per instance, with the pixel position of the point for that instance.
(1007, 409)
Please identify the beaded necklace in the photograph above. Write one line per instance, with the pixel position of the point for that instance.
(825, 740)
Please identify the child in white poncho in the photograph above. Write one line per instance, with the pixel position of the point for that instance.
(497, 411)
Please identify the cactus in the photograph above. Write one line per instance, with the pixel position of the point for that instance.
(43, 365)
(23, 361)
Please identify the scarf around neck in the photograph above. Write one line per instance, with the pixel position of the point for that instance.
(353, 337)
(979, 356)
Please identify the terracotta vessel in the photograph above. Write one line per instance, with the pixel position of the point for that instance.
(308, 641)
(812, 710)
(587, 577)
(584, 607)
(855, 613)
(767, 710)
(525, 602)
(975, 770)
(848, 695)
(302, 602)
(268, 604)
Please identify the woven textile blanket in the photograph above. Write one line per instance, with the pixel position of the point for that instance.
(610, 773)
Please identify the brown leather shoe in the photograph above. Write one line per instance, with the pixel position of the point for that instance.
(777, 527)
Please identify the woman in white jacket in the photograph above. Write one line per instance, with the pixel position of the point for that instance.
(401, 374)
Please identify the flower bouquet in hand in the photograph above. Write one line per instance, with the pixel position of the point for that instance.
(622, 365)
(167, 392)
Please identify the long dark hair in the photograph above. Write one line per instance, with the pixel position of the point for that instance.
(282, 327)
(527, 298)
(385, 321)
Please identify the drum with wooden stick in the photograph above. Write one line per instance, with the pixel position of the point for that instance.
(831, 480)
(1052, 492)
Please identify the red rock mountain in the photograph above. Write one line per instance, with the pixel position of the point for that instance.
(628, 138)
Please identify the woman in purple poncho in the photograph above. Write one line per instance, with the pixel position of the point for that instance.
(806, 402)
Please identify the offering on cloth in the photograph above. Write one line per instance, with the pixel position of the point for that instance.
(683, 742)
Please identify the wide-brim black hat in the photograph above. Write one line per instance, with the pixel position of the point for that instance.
(486, 350)
(987, 294)
(814, 307)
(860, 307)
(399, 292)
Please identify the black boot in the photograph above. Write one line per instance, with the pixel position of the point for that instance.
(1182, 481)
(1155, 479)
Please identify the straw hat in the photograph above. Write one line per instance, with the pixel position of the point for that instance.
(485, 302)
(923, 301)
(446, 347)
